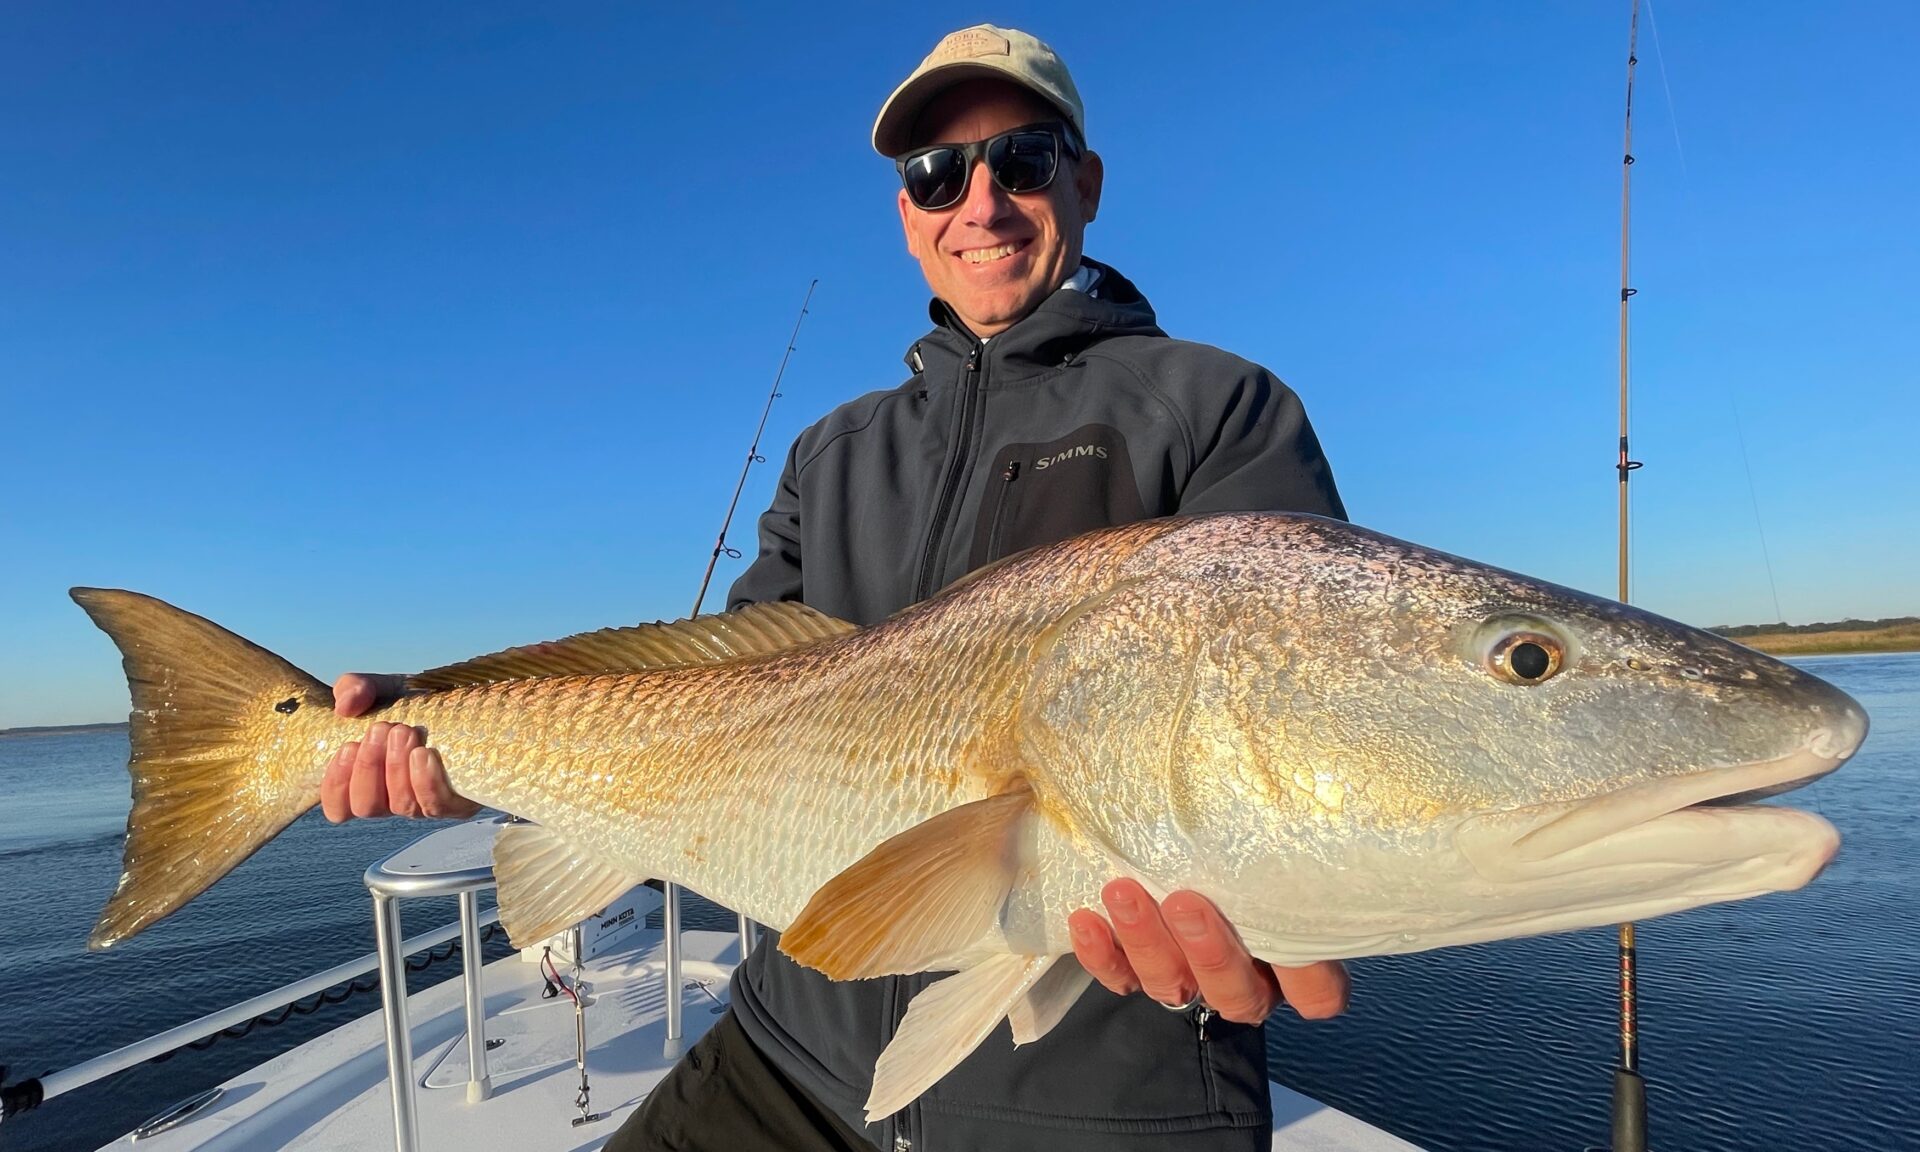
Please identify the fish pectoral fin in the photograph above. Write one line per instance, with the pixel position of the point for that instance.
(1040, 1007)
(547, 885)
(754, 630)
(924, 894)
(945, 1023)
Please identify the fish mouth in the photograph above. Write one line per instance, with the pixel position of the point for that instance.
(1696, 821)
(1727, 788)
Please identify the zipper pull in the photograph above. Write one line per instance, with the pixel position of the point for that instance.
(973, 358)
(1200, 1019)
(1013, 471)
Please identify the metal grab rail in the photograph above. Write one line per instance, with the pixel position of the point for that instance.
(140, 1051)
(455, 861)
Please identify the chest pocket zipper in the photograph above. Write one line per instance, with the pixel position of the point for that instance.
(1008, 475)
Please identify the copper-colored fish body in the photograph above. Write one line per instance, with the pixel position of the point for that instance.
(1352, 744)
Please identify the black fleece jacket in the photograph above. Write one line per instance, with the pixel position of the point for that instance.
(1082, 415)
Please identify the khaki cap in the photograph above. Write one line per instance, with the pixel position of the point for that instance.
(982, 51)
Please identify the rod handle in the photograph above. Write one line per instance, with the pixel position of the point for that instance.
(1629, 1111)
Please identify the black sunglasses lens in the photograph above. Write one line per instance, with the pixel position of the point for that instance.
(936, 179)
(1023, 161)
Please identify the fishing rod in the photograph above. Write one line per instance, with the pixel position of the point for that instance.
(753, 455)
(670, 910)
(1629, 1089)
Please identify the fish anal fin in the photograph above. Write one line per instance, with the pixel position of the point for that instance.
(922, 895)
(1034, 1013)
(945, 1023)
(547, 885)
(754, 630)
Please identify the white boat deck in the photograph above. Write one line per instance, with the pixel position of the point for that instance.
(331, 1093)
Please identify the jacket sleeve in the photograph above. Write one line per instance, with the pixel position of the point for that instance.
(1258, 453)
(775, 573)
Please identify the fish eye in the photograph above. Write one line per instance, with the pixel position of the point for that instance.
(1526, 657)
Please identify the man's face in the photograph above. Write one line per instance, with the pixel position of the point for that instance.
(994, 256)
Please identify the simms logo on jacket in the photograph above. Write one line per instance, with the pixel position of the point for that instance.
(1046, 462)
(1047, 491)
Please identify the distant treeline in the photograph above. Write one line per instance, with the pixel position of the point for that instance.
(43, 729)
(1736, 631)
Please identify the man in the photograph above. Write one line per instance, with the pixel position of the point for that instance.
(1044, 403)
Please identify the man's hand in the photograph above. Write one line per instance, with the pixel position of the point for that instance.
(391, 772)
(1183, 947)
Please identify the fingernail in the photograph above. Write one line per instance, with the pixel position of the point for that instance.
(1124, 907)
(1080, 933)
(1187, 921)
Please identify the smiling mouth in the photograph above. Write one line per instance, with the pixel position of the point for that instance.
(989, 255)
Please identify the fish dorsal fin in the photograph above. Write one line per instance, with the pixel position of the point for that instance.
(945, 1023)
(754, 630)
(547, 885)
(924, 894)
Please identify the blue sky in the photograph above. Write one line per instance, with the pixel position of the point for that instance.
(389, 334)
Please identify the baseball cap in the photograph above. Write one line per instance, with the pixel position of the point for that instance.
(982, 51)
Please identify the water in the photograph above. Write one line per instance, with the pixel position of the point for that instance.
(1789, 1022)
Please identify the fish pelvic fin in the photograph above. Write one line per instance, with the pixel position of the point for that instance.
(209, 787)
(753, 630)
(945, 1023)
(547, 884)
(921, 896)
(1034, 1013)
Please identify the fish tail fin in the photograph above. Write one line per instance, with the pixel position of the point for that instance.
(209, 786)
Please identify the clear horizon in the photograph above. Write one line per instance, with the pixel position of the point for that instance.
(388, 337)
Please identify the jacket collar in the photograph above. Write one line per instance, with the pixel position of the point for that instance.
(1065, 324)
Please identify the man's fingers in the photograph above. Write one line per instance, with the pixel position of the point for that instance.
(1316, 991)
(357, 692)
(402, 739)
(1233, 983)
(1156, 958)
(353, 694)
(367, 791)
(432, 789)
(1098, 952)
(333, 785)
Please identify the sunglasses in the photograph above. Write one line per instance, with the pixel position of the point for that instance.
(1022, 160)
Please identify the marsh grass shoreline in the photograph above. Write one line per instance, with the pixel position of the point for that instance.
(1901, 634)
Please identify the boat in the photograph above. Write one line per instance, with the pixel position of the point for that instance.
(549, 1049)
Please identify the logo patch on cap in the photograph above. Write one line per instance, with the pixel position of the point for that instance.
(970, 43)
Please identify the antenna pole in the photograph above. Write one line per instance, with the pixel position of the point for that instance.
(1629, 1089)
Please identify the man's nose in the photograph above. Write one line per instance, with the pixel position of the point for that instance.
(986, 202)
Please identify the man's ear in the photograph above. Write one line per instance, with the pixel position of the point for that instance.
(906, 228)
(1088, 176)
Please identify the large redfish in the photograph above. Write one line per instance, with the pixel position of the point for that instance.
(1353, 745)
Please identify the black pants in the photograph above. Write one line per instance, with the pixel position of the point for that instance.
(723, 1096)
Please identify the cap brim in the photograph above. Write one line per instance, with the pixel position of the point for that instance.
(893, 129)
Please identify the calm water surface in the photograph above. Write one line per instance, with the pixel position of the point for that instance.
(1785, 1023)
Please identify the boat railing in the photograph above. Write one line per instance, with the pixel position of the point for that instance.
(173, 1039)
(452, 861)
(455, 861)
